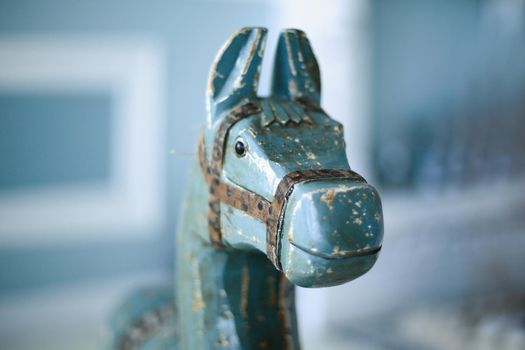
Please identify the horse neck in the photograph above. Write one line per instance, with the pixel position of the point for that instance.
(231, 299)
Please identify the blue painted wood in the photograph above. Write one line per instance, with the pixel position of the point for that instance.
(234, 297)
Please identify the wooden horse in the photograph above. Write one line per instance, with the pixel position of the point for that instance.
(271, 203)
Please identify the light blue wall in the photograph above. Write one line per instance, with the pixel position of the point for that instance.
(192, 31)
(448, 83)
(48, 139)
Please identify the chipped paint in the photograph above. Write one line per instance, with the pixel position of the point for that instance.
(222, 341)
(198, 303)
(272, 296)
(328, 197)
(229, 295)
(245, 285)
(311, 156)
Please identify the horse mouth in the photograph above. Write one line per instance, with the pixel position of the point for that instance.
(339, 254)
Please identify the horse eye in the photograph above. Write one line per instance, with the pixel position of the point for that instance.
(240, 148)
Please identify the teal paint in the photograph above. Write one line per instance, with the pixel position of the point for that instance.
(54, 139)
(233, 297)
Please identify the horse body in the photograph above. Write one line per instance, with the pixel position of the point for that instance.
(226, 299)
(236, 291)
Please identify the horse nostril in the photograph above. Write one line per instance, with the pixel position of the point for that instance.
(240, 148)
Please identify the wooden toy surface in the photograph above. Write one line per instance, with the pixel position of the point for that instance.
(272, 203)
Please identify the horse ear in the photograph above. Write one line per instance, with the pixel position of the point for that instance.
(234, 75)
(296, 72)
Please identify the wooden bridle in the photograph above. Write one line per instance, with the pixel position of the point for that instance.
(270, 213)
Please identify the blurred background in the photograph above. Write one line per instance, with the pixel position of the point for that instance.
(95, 94)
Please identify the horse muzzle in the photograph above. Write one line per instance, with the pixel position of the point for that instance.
(332, 232)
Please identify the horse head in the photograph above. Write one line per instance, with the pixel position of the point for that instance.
(277, 168)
